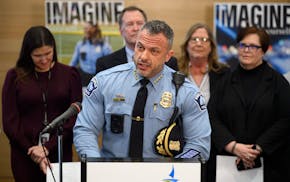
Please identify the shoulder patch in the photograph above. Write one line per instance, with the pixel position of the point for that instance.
(91, 86)
(200, 101)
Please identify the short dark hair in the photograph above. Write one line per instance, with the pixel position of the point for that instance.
(156, 26)
(131, 8)
(262, 34)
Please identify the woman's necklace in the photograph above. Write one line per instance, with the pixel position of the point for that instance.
(44, 93)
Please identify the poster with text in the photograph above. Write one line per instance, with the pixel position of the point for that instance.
(273, 17)
(66, 18)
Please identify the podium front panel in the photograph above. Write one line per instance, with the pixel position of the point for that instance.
(143, 171)
(71, 172)
(128, 171)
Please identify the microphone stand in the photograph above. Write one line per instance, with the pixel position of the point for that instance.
(60, 149)
(203, 168)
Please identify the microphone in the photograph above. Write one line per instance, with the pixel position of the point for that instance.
(74, 109)
(178, 79)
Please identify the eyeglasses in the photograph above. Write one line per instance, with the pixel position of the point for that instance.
(198, 39)
(251, 47)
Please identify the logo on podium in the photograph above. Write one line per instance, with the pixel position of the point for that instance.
(172, 179)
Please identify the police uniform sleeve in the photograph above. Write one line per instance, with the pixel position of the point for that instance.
(89, 121)
(196, 124)
(76, 55)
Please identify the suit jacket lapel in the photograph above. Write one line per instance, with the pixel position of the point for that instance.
(123, 56)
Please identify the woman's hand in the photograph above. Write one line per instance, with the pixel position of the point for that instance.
(37, 153)
(247, 154)
(44, 163)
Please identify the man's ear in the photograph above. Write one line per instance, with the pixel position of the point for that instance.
(121, 29)
(169, 55)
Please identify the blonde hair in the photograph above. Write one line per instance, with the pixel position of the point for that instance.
(213, 63)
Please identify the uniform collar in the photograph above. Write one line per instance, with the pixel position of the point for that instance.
(154, 80)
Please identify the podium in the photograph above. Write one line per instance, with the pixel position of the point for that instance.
(105, 170)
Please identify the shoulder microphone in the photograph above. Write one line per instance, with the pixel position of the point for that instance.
(178, 79)
(74, 109)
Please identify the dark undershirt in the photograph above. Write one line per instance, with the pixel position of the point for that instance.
(250, 80)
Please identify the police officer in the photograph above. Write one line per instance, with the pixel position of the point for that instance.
(88, 50)
(110, 97)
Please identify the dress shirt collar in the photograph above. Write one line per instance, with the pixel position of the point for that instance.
(129, 54)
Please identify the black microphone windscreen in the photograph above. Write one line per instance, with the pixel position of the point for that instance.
(74, 109)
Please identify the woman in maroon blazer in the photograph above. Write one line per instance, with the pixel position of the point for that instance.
(36, 91)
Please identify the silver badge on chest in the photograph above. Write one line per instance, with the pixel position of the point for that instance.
(166, 99)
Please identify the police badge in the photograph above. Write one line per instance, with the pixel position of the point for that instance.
(166, 100)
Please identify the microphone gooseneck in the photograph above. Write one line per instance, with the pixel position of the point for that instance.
(74, 109)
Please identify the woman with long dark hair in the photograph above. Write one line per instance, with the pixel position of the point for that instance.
(35, 92)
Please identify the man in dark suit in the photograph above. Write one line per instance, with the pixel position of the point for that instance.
(130, 21)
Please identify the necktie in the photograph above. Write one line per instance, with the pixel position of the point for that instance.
(137, 126)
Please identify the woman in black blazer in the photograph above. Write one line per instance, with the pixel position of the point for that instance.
(250, 108)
